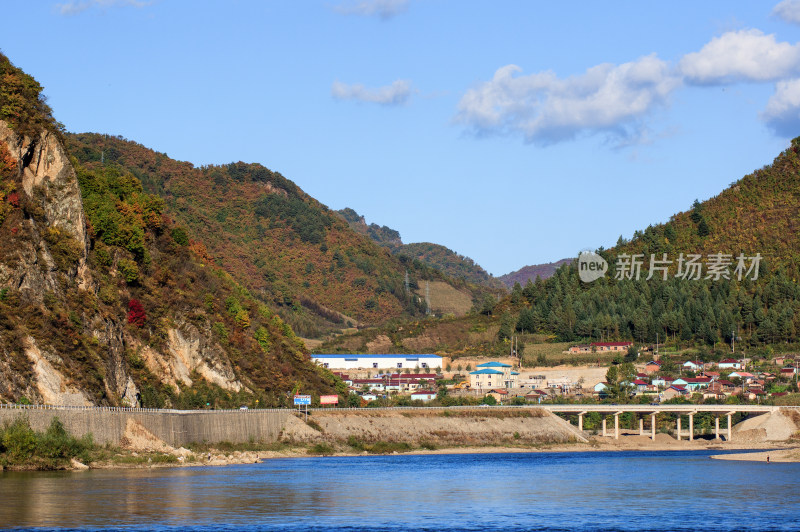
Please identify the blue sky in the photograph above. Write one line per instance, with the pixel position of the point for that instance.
(513, 132)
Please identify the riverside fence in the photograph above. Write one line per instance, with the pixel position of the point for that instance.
(181, 427)
(174, 427)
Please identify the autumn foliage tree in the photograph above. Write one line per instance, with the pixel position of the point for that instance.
(136, 313)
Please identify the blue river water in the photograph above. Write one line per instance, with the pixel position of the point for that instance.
(472, 492)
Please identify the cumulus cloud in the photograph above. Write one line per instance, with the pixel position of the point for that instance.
(788, 10)
(384, 9)
(545, 109)
(746, 55)
(782, 114)
(397, 93)
(79, 6)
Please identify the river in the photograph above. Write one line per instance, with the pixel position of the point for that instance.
(481, 492)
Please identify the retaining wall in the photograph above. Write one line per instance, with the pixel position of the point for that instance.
(175, 427)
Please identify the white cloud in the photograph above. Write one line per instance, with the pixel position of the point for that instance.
(397, 93)
(782, 113)
(544, 109)
(746, 55)
(79, 6)
(788, 10)
(384, 9)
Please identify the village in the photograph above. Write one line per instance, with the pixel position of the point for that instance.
(426, 377)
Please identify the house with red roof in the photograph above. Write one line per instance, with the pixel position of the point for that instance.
(654, 366)
(674, 391)
(694, 384)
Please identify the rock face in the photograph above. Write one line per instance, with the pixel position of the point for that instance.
(51, 186)
(44, 263)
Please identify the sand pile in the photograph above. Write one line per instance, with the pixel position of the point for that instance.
(775, 426)
(444, 427)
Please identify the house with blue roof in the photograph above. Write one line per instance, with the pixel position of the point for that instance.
(493, 375)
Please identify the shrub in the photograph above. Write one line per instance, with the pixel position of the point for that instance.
(180, 237)
(64, 248)
(320, 448)
(19, 441)
(129, 270)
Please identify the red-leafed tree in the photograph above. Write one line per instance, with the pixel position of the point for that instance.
(136, 314)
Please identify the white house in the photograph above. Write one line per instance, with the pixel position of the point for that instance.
(492, 375)
(336, 361)
(423, 395)
(730, 363)
(693, 365)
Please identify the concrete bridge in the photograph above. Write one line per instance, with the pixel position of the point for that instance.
(653, 410)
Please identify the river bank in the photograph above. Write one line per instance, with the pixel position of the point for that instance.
(778, 452)
(373, 432)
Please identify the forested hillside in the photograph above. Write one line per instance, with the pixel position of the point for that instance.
(103, 298)
(289, 250)
(757, 215)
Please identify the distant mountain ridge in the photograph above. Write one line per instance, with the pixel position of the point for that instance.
(526, 273)
(437, 256)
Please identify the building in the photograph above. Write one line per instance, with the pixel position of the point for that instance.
(654, 366)
(500, 395)
(493, 375)
(349, 361)
(693, 365)
(600, 347)
(423, 395)
(730, 363)
(674, 391)
(697, 383)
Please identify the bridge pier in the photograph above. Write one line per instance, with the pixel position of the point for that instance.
(641, 426)
(604, 426)
(716, 427)
(730, 426)
(616, 425)
(653, 426)
(679, 426)
(580, 420)
(691, 426)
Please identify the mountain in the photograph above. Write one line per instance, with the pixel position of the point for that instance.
(382, 235)
(285, 247)
(437, 256)
(759, 213)
(104, 300)
(727, 294)
(530, 273)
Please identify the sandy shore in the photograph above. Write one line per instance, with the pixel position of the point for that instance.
(777, 455)
(777, 452)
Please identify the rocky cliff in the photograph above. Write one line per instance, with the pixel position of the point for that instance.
(104, 301)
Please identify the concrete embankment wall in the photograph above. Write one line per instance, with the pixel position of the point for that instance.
(175, 428)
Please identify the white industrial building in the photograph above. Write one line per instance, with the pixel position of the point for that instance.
(378, 361)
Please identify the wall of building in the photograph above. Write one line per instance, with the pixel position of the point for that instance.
(175, 428)
(368, 362)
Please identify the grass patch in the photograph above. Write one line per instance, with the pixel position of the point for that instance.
(227, 447)
(387, 447)
(322, 449)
